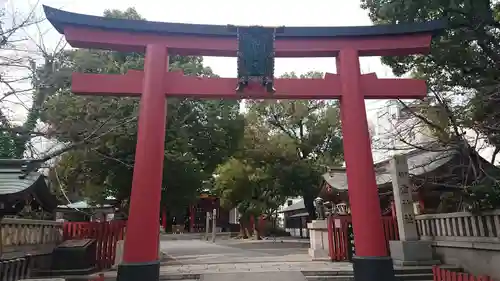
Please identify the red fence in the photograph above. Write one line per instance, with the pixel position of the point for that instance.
(441, 274)
(106, 235)
(338, 242)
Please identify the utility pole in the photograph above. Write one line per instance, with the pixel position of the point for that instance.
(214, 221)
(207, 225)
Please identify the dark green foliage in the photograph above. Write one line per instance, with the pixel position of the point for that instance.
(200, 134)
(287, 146)
(462, 69)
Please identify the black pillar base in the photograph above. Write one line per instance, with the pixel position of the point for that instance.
(139, 271)
(373, 269)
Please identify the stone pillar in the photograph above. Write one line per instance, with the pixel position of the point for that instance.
(207, 225)
(318, 237)
(409, 250)
(214, 224)
(403, 201)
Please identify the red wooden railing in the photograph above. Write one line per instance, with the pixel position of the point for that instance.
(106, 235)
(338, 240)
(441, 274)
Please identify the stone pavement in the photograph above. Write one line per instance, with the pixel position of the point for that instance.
(194, 259)
(233, 256)
(194, 271)
(276, 276)
(233, 251)
(255, 267)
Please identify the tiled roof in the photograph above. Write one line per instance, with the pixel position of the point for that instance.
(19, 176)
(419, 162)
(297, 206)
(83, 205)
(14, 178)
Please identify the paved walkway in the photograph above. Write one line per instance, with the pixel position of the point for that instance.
(195, 252)
(241, 256)
(275, 276)
(196, 259)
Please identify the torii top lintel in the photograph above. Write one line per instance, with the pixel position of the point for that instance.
(84, 31)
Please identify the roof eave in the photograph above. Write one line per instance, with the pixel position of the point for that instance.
(61, 19)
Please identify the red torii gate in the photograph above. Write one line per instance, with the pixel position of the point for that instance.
(155, 83)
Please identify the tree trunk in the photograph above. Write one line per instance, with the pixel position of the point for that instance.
(309, 204)
(243, 233)
(256, 230)
(248, 232)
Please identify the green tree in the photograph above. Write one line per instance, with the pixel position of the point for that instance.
(461, 71)
(18, 69)
(99, 133)
(249, 188)
(304, 138)
(464, 60)
(289, 145)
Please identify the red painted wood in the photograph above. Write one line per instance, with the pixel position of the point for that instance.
(330, 238)
(349, 86)
(82, 37)
(363, 193)
(393, 209)
(130, 84)
(338, 247)
(251, 223)
(441, 274)
(106, 235)
(141, 244)
(338, 240)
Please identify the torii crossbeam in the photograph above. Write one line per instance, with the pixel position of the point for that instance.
(159, 40)
(175, 84)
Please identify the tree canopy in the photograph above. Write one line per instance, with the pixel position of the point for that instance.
(461, 71)
(287, 147)
(102, 131)
(18, 66)
(275, 150)
(464, 60)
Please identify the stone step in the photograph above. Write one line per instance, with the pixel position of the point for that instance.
(180, 277)
(347, 278)
(404, 277)
(397, 271)
(416, 273)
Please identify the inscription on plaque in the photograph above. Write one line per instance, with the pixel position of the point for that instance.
(403, 200)
(351, 247)
(409, 218)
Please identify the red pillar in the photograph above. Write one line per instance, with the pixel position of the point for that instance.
(369, 240)
(393, 210)
(140, 259)
(421, 200)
